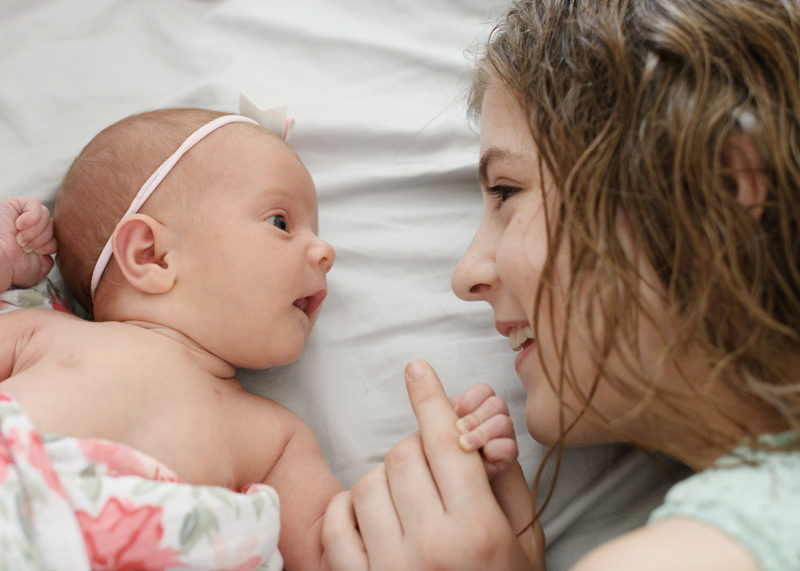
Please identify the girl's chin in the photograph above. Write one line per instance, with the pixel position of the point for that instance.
(543, 426)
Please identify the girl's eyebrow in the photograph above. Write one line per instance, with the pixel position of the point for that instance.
(491, 155)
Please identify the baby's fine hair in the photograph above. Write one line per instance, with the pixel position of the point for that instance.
(631, 104)
(102, 181)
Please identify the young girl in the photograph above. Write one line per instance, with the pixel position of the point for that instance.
(639, 247)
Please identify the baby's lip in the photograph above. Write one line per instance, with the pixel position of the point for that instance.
(311, 303)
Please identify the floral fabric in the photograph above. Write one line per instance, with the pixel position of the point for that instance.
(43, 295)
(67, 503)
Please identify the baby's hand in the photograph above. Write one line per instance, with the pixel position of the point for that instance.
(26, 242)
(485, 425)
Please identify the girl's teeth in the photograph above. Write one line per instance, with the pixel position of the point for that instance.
(518, 336)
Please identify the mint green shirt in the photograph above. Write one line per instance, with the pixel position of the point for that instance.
(753, 496)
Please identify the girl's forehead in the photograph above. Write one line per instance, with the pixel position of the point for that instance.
(503, 121)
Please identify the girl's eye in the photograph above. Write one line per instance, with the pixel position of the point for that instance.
(502, 192)
(279, 221)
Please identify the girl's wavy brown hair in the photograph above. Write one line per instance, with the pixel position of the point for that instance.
(630, 103)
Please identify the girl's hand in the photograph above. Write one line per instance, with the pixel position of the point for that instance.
(485, 425)
(430, 505)
(26, 242)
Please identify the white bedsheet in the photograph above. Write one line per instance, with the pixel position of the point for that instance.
(377, 89)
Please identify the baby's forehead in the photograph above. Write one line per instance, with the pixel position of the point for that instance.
(245, 153)
(236, 137)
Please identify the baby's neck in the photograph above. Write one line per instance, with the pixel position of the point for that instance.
(208, 361)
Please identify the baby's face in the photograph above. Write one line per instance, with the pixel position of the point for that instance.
(253, 266)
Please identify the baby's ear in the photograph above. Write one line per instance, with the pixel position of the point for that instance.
(746, 173)
(140, 250)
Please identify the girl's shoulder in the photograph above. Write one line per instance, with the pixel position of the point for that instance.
(751, 496)
(671, 543)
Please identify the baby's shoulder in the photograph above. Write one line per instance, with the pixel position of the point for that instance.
(26, 335)
(266, 419)
(263, 413)
(39, 322)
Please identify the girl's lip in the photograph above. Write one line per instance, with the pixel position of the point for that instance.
(522, 355)
(505, 327)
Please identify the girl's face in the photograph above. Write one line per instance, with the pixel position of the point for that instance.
(504, 265)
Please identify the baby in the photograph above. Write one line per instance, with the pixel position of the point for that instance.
(220, 268)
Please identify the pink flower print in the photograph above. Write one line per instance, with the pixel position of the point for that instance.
(60, 305)
(38, 458)
(9, 441)
(118, 459)
(122, 460)
(126, 537)
(5, 462)
(226, 558)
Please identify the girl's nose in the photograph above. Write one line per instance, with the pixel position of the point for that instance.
(475, 276)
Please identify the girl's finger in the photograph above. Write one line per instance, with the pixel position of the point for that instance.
(377, 517)
(344, 548)
(458, 476)
(414, 492)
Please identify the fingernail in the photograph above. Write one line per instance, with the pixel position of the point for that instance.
(465, 443)
(22, 244)
(414, 370)
(464, 424)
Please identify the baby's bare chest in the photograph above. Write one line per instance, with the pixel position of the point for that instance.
(140, 393)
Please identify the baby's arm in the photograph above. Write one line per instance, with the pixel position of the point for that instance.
(305, 485)
(26, 242)
(485, 425)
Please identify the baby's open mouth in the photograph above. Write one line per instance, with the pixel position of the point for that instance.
(309, 304)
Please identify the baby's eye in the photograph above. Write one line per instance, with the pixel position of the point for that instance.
(502, 192)
(279, 221)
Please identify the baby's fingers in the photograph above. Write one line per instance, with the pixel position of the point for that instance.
(35, 230)
(495, 427)
(479, 413)
(499, 454)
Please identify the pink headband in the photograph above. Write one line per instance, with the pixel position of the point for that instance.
(162, 171)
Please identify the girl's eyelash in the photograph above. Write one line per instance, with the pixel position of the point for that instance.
(502, 192)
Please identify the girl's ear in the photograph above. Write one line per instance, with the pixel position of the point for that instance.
(746, 173)
(140, 250)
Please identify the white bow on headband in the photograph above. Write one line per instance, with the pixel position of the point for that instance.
(273, 118)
